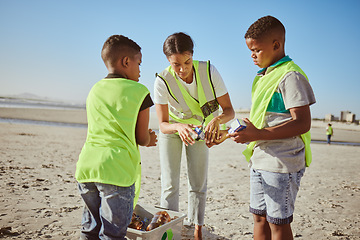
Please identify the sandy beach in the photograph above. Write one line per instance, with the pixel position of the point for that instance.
(39, 197)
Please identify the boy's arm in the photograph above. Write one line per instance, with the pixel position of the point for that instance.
(299, 124)
(144, 135)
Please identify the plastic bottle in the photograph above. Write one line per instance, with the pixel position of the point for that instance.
(160, 218)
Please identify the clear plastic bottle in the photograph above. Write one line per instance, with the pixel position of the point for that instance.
(201, 134)
(160, 218)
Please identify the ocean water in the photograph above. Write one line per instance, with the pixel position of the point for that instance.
(43, 123)
(6, 102)
(337, 143)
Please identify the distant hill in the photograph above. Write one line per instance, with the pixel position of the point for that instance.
(31, 96)
(28, 96)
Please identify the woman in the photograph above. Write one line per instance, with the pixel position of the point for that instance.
(187, 95)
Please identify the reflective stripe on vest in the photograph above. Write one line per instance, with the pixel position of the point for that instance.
(187, 109)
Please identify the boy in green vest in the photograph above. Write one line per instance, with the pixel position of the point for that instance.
(329, 133)
(277, 130)
(109, 163)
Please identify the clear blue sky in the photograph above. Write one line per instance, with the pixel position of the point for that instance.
(52, 48)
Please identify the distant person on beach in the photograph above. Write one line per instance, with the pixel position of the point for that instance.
(188, 93)
(108, 170)
(277, 130)
(329, 133)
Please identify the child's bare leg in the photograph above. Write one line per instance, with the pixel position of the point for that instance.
(281, 232)
(197, 232)
(261, 228)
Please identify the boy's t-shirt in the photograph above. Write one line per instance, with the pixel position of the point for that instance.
(284, 155)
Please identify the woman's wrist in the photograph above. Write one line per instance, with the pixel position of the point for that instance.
(176, 126)
(217, 119)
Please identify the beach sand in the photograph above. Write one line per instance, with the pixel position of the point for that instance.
(39, 197)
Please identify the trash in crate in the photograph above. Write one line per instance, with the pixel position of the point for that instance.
(144, 214)
(160, 218)
(137, 222)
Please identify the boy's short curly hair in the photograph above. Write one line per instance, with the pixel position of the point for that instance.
(265, 26)
(116, 47)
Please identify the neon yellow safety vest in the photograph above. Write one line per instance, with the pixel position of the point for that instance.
(329, 130)
(263, 89)
(187, 109)
(110, 154)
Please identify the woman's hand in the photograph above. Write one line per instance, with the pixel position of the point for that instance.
(222, 137)
(212, 130)
(185, 131)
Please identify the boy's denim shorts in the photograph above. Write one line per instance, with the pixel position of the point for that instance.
(107, 212)
(273, 194)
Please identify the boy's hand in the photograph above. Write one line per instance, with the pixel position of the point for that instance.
(246, 135)
(153, 138)
(222, 137)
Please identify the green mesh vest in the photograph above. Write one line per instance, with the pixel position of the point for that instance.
(263, 90)
(110, 154)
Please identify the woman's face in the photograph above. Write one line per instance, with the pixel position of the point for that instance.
(182, 64)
